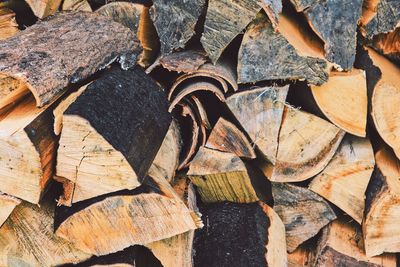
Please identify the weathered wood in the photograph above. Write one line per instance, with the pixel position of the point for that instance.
(175, 22)
(267, 55)
(44, 8)
(306, 145)
(344, 101)
(300, 5)
(111, 134)
(335, 21)
(260, 112)
(341, 245)
(345, 179)
(226, 137)
(185, 61)
(65, 49)
(385, 18)
(7, 204)
(388, 44)
(303, 212)
(382, 206)
(8, 25)
(81, 5)
(240, 235)
(369, 9)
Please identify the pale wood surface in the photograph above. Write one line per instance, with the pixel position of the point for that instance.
(8, 24)
(7, 205)
(44, 8)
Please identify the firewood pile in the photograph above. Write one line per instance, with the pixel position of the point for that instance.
(184, 133)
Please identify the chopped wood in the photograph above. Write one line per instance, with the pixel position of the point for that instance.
(81, 5)
(111, 134)
(226, 137)
(341, 245)
(47, 63)
(8, 25)
(343, 100)
(44, 8)
(369, 9)
(306, 145)
(267, 55)
(175, 22)
(382, 206)
(388, 44)
(385, 18)
(229, 237)
(260, 113)
(301, 5)
(301, 257)
(7, 204)
(303, 212)
(185, 61)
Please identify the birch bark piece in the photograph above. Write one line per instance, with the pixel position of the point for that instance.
(46, 63)
(7, 205)
(44, 8)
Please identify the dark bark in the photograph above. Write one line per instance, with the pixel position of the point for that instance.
(300, 5)
(185, 61)
(386, 19)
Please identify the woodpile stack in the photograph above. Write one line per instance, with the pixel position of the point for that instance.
(199, 133)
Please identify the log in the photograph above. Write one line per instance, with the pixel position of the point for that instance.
(221, 176)
(175, 33)
(388, 44)
(384, 18)
(7, 204)
(46, 63)
(8, 25)
(226, 137)
(232, 223)
(303, 213)
(382, 206)
(345, 179)
(81, 5)
(111, 134)
(268, 55)
(306, 145)
(28, 148)
(44, 8)
(341, 245)
(260, 113)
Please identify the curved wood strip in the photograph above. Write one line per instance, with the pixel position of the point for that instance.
(202, 112)
(223, 70)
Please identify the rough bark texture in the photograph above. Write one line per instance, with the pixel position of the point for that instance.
(266, 55)
(65, 49)
(185, 61)
(387, 18)
(300, 5)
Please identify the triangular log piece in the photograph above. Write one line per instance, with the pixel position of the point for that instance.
(382, 206)
(388, 44)
(221, 176)
(93, 42)
(28, 148)
(260, 112)
(385, 18)
(226, 137)
(8, 25)
(268, 55)
(44, 8)
(301, 257)
(240, 235)
(345, 179)
(111, 134)
(175, 33)
(27, 239)
(7, 205)
(335, 22)
(303, 212)
(306, 145)
(344, 101)
(341, 244)
(81, 5)
(386, 100)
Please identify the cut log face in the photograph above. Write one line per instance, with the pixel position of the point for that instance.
(8, 25)
(111, 134)
(231, 223)
(81, 5)
(306, 145)
(27, 239)
(387, 18)
(382, 208)
(345, 179)
(7, 204)
(335, 21)
(175, 22)
(385, 101)
(224, 21)
(44, 8)
(260, 113)
(341, 245)
(28, 147)
(303, 212)
(94, 42)
(267, 55)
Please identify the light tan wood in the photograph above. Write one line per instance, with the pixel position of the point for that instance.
(7, 205)
(11, 90)
(306, 145)
(343, 100)
(81, 5)
(8, 24)
(345, 179)
(386, 100)
(44, 8)
(260, 113)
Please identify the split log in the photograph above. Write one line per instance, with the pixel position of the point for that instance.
(221, 176)
(175, 22)
(382, 206)
(44, 8)
(345, 179)
(268, 55)
(260, 112)
(110, 134)
(8, 25)
(303, 212)
(388, 44)
(185, 61)
(28, 147)
(226, 137)
(27, 239)
(341, 245)
(7, 204)
(81, 5)
(383, 19)
(335, 21)
(301, 257)
(46, 63)
(306, 145)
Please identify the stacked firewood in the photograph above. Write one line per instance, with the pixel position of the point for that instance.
(199, 133)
